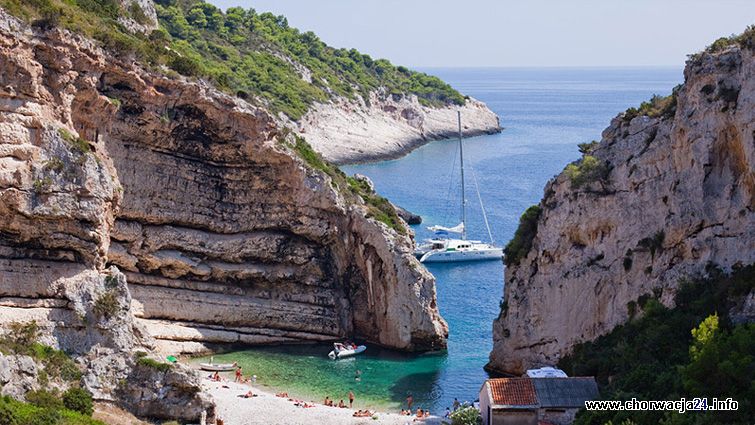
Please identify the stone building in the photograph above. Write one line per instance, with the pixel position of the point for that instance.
(533, 401)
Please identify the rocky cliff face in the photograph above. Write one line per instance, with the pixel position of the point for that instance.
(223, 234)
(678, 194)
(387, 126)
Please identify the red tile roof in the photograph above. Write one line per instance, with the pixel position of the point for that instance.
(513, 391)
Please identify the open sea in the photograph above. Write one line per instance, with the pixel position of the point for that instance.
(546, 112)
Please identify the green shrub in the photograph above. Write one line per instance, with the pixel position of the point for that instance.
(587, 170)
(7, 415)
(657, 356)
(78, 400)
(588, 148)
(44, 399)
(153, 364)
(521, 243)
(106, 305)
(466, 416)
(46, 417)
(184, 65)
(14, 412)
(656, 107)
(57, 363)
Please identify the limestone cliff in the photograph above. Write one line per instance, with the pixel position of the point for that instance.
(675, 194)
(222, 232)
(388, 126)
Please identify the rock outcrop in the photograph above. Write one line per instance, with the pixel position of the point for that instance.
(223, 233)
(387, 126)
(145, 213)
(678, 195)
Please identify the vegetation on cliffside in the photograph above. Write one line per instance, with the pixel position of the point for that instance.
(378, 207)
(245, 53)
(692, 350)
(521, 243)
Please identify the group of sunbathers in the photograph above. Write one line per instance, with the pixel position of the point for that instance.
(362, 414)
(332, 403)
(421, 414)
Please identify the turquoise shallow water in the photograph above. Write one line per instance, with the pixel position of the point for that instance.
(546, 113)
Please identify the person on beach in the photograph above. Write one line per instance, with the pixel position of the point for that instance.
(448, 413)
(351, 398)
(456, 404)
(341, 404)
(409, 401)
(327, 401)
(239, 375)
(215, 377)
(420, 413)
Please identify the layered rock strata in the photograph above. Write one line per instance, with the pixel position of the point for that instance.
(679, 195)
(140, 212)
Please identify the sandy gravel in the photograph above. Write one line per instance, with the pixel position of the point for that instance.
(268, 409)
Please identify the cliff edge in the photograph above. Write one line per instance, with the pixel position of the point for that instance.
(669, 190)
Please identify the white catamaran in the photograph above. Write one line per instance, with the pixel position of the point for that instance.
(442, 249)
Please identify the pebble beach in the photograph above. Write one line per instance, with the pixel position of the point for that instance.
(266, 408)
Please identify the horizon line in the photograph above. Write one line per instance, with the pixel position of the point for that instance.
(545, 66)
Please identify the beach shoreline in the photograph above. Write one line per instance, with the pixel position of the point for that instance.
(267, 408)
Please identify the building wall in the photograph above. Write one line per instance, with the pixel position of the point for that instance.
(485, 404)
(557, 416)
(514, 417)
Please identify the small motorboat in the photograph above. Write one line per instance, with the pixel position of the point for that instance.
(218, 367)
(341, 350)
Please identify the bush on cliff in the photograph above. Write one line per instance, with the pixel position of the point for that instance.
(240, 51)
(587, 170)
(14, 412)
(21, 338)
(656, 107)
(521, 243)
(666, 354)
(78, 400)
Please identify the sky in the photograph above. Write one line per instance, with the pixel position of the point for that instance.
(477, 33)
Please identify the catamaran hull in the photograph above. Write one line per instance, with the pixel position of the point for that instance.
(459, 256)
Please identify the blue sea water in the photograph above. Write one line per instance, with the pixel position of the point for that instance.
(546, 112)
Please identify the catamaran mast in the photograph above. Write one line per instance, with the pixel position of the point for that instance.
(463, 197)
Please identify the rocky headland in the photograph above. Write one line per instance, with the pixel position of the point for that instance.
(388, 126)
(667, 192)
